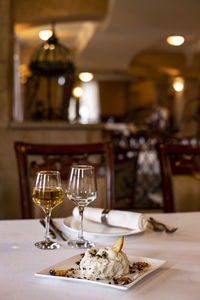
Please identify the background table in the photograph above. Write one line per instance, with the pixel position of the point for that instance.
(179, 278)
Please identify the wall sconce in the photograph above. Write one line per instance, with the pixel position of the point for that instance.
(178, 84)
(77, 93)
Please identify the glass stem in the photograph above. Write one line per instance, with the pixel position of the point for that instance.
(80, 234)
(47, 221)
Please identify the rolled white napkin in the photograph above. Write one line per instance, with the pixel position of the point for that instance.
(116, 218)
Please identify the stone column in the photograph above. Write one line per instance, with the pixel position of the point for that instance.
(6, 80)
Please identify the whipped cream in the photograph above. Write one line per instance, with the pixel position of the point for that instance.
(103, 263)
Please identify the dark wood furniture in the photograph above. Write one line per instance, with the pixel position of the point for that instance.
(141, 177)
(125, 168)
(61, 157)
(176, 159)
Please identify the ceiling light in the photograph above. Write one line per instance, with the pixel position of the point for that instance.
(77, 92)
(178, 84)
(86, 76)
(175, 40)
(45, 34)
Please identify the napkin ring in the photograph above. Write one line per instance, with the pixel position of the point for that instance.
(104, 216)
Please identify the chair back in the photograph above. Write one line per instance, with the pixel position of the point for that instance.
(125, 168)
(182, 161)
(32, 158)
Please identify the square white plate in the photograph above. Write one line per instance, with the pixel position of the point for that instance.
(71, 262)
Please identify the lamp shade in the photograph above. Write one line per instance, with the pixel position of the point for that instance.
(52, 59)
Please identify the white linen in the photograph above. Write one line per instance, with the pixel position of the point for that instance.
(178, 279)
(116, 218)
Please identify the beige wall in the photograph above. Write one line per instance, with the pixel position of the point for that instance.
(5, 99)
(5, 58)
(113, 96)
(143, 94)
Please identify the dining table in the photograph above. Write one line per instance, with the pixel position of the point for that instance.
(177, 278)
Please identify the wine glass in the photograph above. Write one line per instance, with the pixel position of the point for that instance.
(47, 193)
(82, 190)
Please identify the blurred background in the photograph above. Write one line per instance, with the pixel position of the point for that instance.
(136, 80)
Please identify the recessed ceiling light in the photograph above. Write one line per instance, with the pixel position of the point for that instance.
(86, 76)
(175, 40)
(45, 34)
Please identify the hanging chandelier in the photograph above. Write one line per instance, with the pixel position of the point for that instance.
(52, 59)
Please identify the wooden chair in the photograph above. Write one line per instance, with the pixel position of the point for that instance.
(34, 157)
(125, 168)
(178, 159)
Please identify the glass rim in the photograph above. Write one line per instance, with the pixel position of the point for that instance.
(50, 172)
(89, 167)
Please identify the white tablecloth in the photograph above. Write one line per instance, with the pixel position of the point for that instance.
(179, 278)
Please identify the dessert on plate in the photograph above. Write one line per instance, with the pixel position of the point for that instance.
(109, 264)
(104, 263)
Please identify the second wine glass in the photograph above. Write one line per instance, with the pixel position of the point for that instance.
(82, 190)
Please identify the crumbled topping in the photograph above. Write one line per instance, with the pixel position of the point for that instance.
(134, 268)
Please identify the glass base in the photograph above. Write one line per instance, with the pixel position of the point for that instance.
(49, 245)
(81, 244)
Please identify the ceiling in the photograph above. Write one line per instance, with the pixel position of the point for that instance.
(119, 36)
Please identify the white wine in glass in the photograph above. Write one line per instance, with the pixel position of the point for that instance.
(47, 193)
(82, 190)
